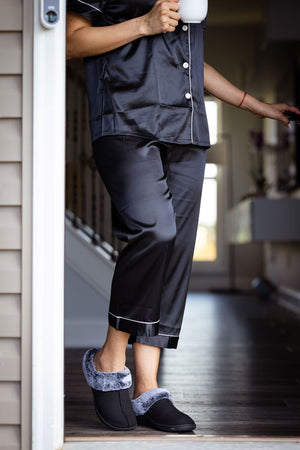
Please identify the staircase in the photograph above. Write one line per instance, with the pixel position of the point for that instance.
(88, 275)
(91, 248)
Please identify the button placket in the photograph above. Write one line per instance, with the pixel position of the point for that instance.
(186, 64)
(190, 83)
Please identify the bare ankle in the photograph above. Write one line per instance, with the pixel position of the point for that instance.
(107, 362)
(140, 389)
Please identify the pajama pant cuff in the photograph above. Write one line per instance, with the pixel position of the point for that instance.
(134, 327)
(156, 341)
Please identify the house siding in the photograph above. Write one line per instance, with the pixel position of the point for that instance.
(10, 222)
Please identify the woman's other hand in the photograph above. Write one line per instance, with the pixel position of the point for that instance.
(274, 111)
(220, 87)
(162, 18)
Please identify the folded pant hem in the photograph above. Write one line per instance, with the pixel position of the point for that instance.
(133, 327)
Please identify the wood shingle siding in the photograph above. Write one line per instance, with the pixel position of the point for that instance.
(10, 403)
(10, 227)
(10, 140)
(11, 434)
(11, 53)
(11, 15)
(10, 316)
(10, 96)
(10, 368)
(10, 272)
(11, 23)
(10, 184)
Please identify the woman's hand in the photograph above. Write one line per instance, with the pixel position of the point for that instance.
(85, 40)
(275, 111)
(162, 18)
(223, 89)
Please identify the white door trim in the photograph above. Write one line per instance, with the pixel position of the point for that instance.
(48, 233)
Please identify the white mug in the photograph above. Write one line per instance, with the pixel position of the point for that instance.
(193, 11)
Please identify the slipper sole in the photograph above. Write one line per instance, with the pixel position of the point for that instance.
(163, 427)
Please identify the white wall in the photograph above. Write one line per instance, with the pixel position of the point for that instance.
(243, 55)
(232, 51)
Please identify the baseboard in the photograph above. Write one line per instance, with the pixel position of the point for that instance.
(199, 282)
(288, 298)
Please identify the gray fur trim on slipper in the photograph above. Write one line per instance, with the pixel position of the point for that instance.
(104, 381)
(144, 402)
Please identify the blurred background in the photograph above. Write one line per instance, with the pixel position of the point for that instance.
(249, 225)
(237, 368)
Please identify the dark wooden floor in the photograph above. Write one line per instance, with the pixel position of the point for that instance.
(236, 372)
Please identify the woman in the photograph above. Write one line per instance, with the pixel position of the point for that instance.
(145, 76)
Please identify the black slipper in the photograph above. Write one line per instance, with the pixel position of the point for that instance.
(110, 393)
(155, 409)
(114, 409)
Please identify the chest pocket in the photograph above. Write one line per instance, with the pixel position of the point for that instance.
(130, 65)
(118, 11)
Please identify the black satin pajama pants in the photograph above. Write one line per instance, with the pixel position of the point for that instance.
(155, 190)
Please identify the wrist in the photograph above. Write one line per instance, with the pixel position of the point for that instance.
(142, 25)
(244, 96)
(250, 104)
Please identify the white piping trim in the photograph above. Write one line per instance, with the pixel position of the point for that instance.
(170, 335)
(190, 82)
(132, 320)
(85, 3)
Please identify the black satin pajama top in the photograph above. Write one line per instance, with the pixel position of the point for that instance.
(151, 87)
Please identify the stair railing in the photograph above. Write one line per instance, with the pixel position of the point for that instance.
(88, 204)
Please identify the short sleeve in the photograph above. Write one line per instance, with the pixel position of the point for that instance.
(89, 9)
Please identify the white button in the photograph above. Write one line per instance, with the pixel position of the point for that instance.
(188, 95)
(184, 27)
(185, 65)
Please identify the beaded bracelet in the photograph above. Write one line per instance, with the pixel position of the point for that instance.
(242, 100)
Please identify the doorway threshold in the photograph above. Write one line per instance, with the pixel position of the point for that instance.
(178, 442)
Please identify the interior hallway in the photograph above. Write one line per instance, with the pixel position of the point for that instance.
(236, 372)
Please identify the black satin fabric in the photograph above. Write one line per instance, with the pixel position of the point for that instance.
(155, 190)
(140, 88)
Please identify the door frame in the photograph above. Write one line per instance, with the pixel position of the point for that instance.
(44, 170)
